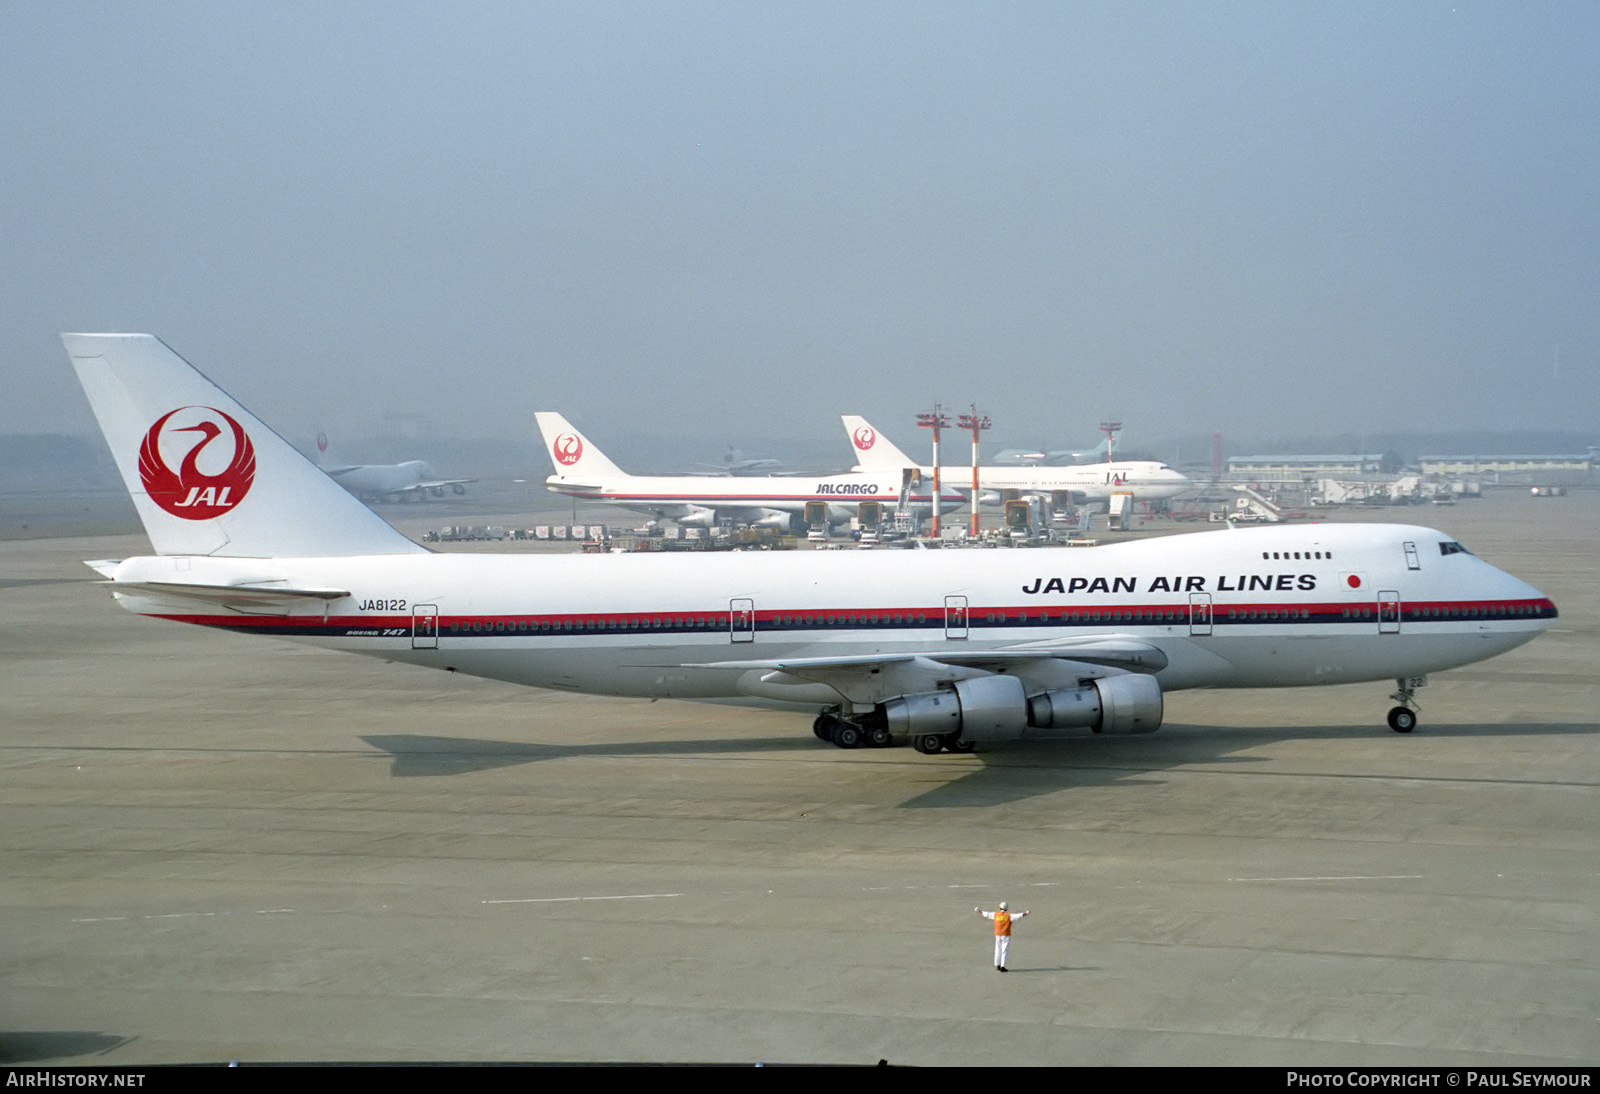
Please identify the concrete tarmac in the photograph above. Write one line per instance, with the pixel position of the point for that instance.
(222, 848)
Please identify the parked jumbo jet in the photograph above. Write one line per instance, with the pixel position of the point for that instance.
(1089, 482)
(945, 649)
(412, 480)
(583, 471)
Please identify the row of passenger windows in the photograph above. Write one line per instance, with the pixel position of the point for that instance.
(1305, 555)
(608, 626)
(1490, 612)
(1082, 615)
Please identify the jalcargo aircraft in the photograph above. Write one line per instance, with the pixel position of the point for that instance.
(945, 649)
(1146, 480)
(771, 501)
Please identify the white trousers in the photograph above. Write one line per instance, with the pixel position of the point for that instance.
(1002, 947)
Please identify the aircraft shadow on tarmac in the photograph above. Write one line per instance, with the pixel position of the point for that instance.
(41, 1046)
(417, 754)
(1004, 774)
(1016, 772)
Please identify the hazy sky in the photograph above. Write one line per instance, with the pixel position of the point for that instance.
(729, 218)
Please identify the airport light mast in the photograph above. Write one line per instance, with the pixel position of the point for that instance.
(1110, 429)
(935, 421)
(976, 425)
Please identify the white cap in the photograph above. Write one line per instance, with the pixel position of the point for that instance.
(1002, 905)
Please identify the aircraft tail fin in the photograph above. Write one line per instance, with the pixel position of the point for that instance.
(874, 451)
(208, 477)
(328, 456)
(571, 452)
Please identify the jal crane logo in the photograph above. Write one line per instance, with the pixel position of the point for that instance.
(568, 449)
(864, 437)
(211, 478)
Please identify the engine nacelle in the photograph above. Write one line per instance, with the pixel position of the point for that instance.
(698, 517)
(990, 709)
(1126, 704)
(986, 708)
(777, 521)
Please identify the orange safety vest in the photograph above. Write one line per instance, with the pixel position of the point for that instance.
(1002, 924)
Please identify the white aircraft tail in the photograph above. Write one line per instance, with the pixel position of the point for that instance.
(571, 452)
(874, 451)
(328, 457)
(240, 489)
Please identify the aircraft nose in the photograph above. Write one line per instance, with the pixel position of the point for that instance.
(1542, 607)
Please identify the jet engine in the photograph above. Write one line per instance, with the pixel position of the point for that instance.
(998, 708)
(776, 520)
(698, 517)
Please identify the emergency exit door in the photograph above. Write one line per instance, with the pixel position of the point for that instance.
(424, 626)
(955, 617)
(742, 620)
(1388, 612)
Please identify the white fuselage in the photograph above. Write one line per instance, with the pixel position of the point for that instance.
(377, 480)
(1146, 480)
(675, 496)
(1264, 607)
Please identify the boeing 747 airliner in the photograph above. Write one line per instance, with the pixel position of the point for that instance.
(942, 649)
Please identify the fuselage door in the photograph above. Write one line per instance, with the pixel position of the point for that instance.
(1199, 613)
(1388, 612)
(424, 626)
(955, 617)
(1412, 562)
(742, 620)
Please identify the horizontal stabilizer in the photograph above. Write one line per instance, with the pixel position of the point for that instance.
(244, 595)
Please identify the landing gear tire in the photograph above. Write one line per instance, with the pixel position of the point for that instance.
(823, 727)
(846, 735)
(928, 744)
(956, 744)
(879, 737)
(1402, 719)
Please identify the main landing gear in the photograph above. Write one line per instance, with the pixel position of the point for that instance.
(846, 734)
(849, 734)
(1403, 718)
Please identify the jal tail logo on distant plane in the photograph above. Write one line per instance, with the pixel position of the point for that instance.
(568, 449)
(211, 478)
(864, 437)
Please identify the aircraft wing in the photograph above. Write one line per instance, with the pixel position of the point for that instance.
(875, 677)
(439, 484)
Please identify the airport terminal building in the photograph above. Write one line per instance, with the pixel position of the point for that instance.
(1564, 469)
(1301, 468)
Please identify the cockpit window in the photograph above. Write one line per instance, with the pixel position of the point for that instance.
(1450, 547)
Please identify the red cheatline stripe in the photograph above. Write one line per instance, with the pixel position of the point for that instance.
(980, 615)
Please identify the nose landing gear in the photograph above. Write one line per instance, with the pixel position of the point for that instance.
(1403, 718)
